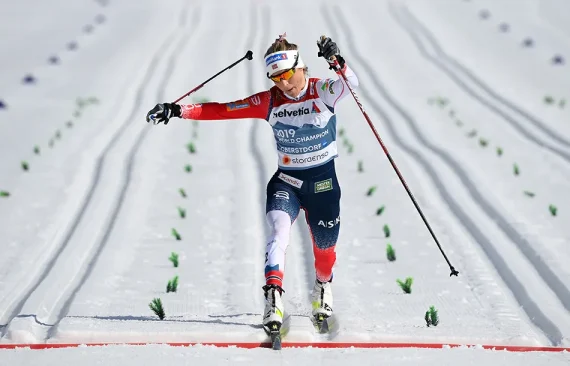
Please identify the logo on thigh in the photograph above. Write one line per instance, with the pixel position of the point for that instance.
(329, 224)
(323, 186)
(281, 195)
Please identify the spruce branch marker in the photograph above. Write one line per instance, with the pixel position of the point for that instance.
(191, 148)
(380, 210)
(181, 212)
(516, 169)
(157, 308)
(37, 150)
(188, 168)
(176, 234)
(553, 210)
(172, 285)
(25, 166)
(4, 194)
(371, 190)
(406, 285)
(431, 317)
(386, 229)
(182, 192)
(174, 259)
(390, 253)
(548, 99)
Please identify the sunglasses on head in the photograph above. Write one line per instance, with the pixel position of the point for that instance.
(285, 75)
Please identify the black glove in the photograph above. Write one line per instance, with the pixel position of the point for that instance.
(328, 49)
(163, 113)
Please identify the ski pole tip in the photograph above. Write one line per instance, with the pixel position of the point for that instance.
(454, 272)
(249, 55)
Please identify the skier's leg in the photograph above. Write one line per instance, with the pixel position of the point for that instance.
(282, 209)
(322, 212)
(323, 218)
(280, 224)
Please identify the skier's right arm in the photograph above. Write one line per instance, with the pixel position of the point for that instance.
(254, 106)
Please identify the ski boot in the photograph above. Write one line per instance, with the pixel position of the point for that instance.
(273, 314)
(322, 302)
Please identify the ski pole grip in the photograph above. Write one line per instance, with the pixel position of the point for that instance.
(320, 54)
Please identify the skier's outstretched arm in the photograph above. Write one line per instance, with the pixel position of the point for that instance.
(254, 106)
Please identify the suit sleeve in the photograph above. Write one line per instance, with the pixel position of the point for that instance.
(331, 91)
(254, 106)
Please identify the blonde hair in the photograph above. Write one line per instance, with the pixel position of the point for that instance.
(281, 44)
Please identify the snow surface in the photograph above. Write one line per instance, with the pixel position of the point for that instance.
(86, 231)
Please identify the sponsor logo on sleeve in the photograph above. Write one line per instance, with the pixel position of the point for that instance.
(234, 106)
(328, 85)
(255, 100)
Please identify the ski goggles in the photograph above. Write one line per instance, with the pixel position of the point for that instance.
(281, 61)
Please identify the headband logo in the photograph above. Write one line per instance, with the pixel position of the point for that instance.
(275, 58)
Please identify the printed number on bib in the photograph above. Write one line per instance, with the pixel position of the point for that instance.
(286, 133)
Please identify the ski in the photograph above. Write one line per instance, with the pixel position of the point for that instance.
(277, 331)
(326, 325)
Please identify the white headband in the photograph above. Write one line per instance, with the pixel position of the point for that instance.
(282, 60)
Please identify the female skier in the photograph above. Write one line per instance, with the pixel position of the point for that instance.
(301, 112)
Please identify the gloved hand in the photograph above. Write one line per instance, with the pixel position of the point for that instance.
(328, 49)
(163, 113)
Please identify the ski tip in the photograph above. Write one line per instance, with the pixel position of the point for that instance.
(276, 342)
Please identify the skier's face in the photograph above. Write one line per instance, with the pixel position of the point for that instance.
(294, 85)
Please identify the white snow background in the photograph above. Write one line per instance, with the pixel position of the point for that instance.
(85, 233)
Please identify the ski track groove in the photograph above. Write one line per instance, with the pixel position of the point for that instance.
(553, 281)
(443, 58)
(171, 63)
(77, 219)
(238, 254)
(254, 128)
(520, 293)
(254, 148)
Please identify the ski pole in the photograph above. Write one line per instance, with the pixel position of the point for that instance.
(248, 55)
(336, 65)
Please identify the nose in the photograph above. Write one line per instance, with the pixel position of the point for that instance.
(284, 82)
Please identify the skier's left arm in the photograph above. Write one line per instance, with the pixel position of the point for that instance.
(331, 91)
